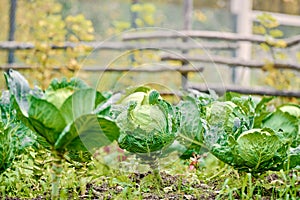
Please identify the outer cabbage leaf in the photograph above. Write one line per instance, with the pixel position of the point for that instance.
(191, 114)
(261, 111)
(292, 109)
(221, 113)
(87, 133)
(260, 149)
(190, 130)
(180, 149)
(136, 94)
(19, 87)
(294, 158)
(224, 127)
(141, 143)
(81, 102)
(285, 124)
(138, 97)
(46, 119)
(252, 110)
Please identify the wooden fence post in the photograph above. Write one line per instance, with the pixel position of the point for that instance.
(187, 25)
(134, 16)
(12, 29)
(243, 10)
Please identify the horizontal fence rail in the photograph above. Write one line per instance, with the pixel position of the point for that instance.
(201, 87)
(232, 62)
(283, 19)
(245, 90)
(234, 37)
(172, 40)
(153, 69)
(96, 46)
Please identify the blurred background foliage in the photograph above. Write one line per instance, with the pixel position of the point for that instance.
(276, 78)
(57, 21)
(42, 23)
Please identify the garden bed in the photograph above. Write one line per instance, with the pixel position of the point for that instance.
(71, 141)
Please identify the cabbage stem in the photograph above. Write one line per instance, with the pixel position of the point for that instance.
(158, 178)
(56, 173)
(154, 167)
(152, 161)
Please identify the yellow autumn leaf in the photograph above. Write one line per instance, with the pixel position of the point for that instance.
(136, 8)
(149, 8)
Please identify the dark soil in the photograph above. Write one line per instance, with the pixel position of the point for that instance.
(177, 188)
(105, 191)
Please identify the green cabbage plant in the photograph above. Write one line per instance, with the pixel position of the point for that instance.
(147, 124)
(190, 130)
(243, 133)
(191, 114)
(64, 118)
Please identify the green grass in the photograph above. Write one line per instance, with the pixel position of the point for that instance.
(30, 177)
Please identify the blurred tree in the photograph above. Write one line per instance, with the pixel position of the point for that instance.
(282, 6)
(280, 79)
(41, 22)
(143, 15)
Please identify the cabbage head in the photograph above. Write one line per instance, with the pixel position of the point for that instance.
(248, 140)
(147, 122)
(261, 149)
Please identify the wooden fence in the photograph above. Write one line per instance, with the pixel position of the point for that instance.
(179, 40)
